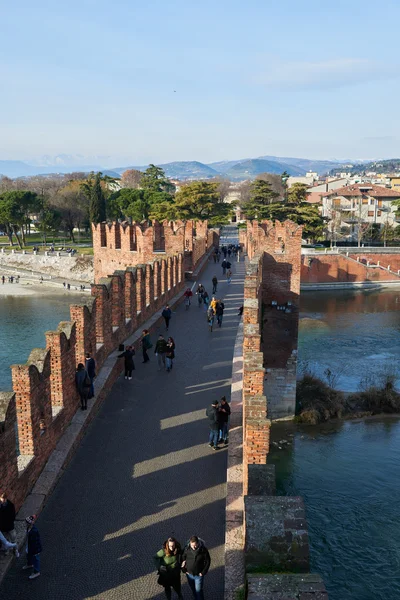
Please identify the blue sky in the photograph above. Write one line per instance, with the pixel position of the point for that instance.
(289, 78)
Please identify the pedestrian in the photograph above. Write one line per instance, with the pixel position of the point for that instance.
(34, 547)
(229, 275)
(223, 265)
(213, 303)
(206, 299)
(187, 295)
(170, 353)
(91, 371)
(199, 293)
(64, 284)
(218, 255)
(196, 563)
(224, 410)
(168, 561)
(210, 317)
(7, 518)
(240, 311)
(128, 355)
(215, 284)
(146, 344)
(160, 351)
(68, 286)
(215, 256)
(219, 311)
(3, 279)
(6, 545)
(83, 383)
(167, 314)
(212, 415)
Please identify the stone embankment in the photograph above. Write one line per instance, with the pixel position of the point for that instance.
(77, 268)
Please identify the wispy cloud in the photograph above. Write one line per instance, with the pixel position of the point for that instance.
(324, 75)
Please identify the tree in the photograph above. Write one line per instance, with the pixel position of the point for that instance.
(49, 221)
(297, 193)
(275, 181)
(261, 196)
(304, 214)
(15, 209)
(72, 205)
(200, 200)
(131, 178)
(97, 203)
(154, 180)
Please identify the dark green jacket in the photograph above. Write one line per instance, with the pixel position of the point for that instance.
(170, 562)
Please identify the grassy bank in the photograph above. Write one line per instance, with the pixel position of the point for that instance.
(318, 401)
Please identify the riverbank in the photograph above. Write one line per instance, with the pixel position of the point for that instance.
(47, 288)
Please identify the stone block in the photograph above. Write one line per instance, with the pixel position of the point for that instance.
(32, 506)
(276, 534)
(261, 480)
(286, 587)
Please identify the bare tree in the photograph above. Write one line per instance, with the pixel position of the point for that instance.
(131, 179)
(276, 183)
(244, 192)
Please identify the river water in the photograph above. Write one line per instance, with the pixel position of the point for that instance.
(23, 322)
(349, 472)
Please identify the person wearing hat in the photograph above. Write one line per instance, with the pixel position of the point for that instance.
(33, 547)
(213, 421)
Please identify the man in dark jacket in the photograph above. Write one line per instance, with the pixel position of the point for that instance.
(212, 415)
(34, 547)
(82, 381)
(223, 265)
(128, 355)
(91, 371)
(167, 314)
(224, 410)
(219, 311)
(196, 562)
(160, 351)
(7, 518)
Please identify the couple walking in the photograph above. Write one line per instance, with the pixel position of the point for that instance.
(194, 560)
(218, 416)
(165, 352)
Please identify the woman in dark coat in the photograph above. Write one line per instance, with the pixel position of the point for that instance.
(83, 383)
(129, 364)
(170, 353)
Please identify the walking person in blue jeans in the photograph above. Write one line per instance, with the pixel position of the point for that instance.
(196, 563)
(33, 547)
(213, 417)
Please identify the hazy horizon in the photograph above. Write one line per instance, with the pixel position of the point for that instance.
(161, 82)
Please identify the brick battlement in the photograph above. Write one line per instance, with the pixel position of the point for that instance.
(44, 399)
(121, 245)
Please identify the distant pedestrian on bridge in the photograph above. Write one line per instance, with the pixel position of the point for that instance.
(167, 314)
(223, 265)
(83, 383)
(170, 353)
(128, 355)
(215, 284)
(213, 422)
(91, 371)
(34, 547)
(160, 351)
(146, 344)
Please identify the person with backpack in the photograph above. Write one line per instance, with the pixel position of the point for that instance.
(167, 314)
(83, 383)
(196, 563)
(168, 562)
(146, 344)
(34, 547)
(219, 311)
(128, 355)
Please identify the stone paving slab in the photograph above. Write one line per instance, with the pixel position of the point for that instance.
(142, 472)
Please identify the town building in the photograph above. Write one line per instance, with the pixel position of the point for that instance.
(354, 207)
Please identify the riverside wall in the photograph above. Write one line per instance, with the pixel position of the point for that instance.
(356, 268)
(77, 268)
(39, 409)
(267, 544)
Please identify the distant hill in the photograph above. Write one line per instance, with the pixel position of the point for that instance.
(249, 169)
(391, 165)
(186, 169)
(318, 166)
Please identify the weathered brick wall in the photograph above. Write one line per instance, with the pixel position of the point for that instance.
(44, 398)
(118, 246)
(337, 268)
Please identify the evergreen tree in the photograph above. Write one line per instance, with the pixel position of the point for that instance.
(97, 202)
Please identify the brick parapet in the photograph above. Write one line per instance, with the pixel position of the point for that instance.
(44, 397)
(121, 245)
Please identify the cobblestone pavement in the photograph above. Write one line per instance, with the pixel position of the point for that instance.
(143, 472)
